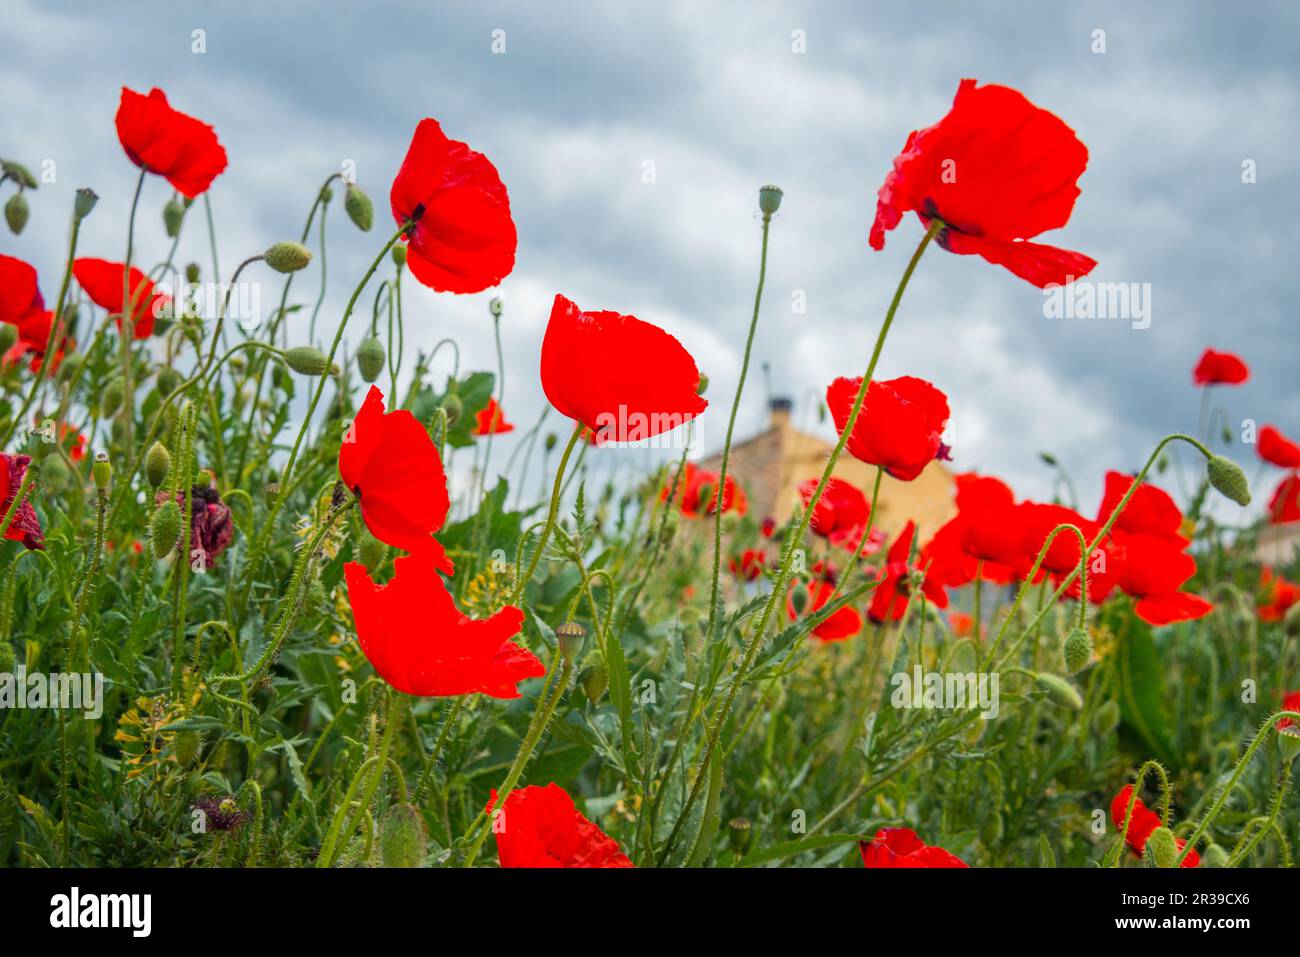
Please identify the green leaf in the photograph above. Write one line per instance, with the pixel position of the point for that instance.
(790, 848)
(1141, 699)
(1046, 856)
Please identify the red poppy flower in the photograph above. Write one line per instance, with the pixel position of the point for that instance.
(842, 515)
(1284, 506)
(211, 526)
(462, 238)
(961, 624)
(1151, 511)
(1142, 822)
(491, 420)
(697, 493)
(33, 337)
(1290, 703)
(900, 847)
(181, 149)
(624, 379)
(391, 464)
(890, 598)
(769, 526)
(992, 528)
(1276, 596)
(1220, 368)
(1276, 448)
(540, 827)
(419, 641)
(1152, 570)
(19, 293)
(1037, 522)
(997, 170)
(844, 623)
(900, 424)
(102, 282)
(949, 562)
(25, 527)
(748, 565)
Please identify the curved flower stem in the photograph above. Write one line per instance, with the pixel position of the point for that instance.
(447, 726)
(556, 493)
(731, 427)
(128, 320)
(783, 576)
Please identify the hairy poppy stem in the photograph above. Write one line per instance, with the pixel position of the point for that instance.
(128, 320)
(731, 427)
(556, 494)
(794, 542)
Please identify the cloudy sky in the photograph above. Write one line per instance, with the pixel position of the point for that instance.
(721, 98)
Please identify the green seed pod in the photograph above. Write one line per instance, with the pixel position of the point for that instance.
(399, 255)
(8, 336)
(111, 399)
(703, 387)
(1106, 718)
(1059, 691)
(186, 747)
(551, 441)
(168, 380)
(102, 471)
(173, 213)
(740, 832)
(1162, 848)
(84, 203)
(16, 213)
(1288, 743)
(70, 366)
(307, 360)
(769, 199)
(54, 474)
(799, 598)
(370, 358)
(192, 273)
(570, 636)
(403, 838)
(359, 208)
(371, 552)
(1215, 856)
(452, 405)
(594, 682)
(1077, 650)
(165, 528)
(496, 306)
(1227, 476)
(287, 257)
(157, 463)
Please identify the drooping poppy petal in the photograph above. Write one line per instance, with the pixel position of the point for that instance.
(1277, 449)
(25, 527)
(1151, 510)
(419, 641)
(183, 150)
(624, 379)
(1284, 504)
(998, 171)
(491, 420)
(212, 527)
(390, 463)
(1220, 368)
(463, 238)
(899, 426)
(102, 282)
(1152, 570)
(900, 847)
(541, 827)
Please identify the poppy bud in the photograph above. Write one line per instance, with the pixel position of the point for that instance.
(370, 358)
(110, 400)
(168, 380)
(157, 463)
(769, 199)
(8, 658)
(1162, 848)
(1048, 458)
(84, 203)
(54, 474)
(307, 360)
(287, 257)
(165, 528)
(371, 552)
(19, 172)
(192, 273)
(703, 386)
(496, 306)
(399, 255)
(403, 839)
(102, 471)
(740, 831)
(1227, 476)
(1059, 691)
(551, 441)
(16, 213)
(8, 336)
(452, 405)
(570, 635)
(1288, 742)
(799, 599)
(173, 213)
(186, 746)
(359, 208)
(326, 195)
(1077, 650)
(1106, 718)
(594, 682)
(1215, 856)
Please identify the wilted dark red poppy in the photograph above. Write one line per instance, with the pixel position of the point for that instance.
(1151, 510)
(1141, 823)
(697, 493)
(25, 526)
(1277, 449)
(491, 420)
(890, 598)
(181, 149)
(842, 515)
(997, 170)
(541, 827)
(1153, 570)
(421, 643)
(391, 464)
(1220, 368)
(900, 847)
(748, 565)
(211, 526)
(1276, 595)
(624, 379)
(462, 238)
(843, 623)
(102, 282)
(900, 424)
(1284, 505)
